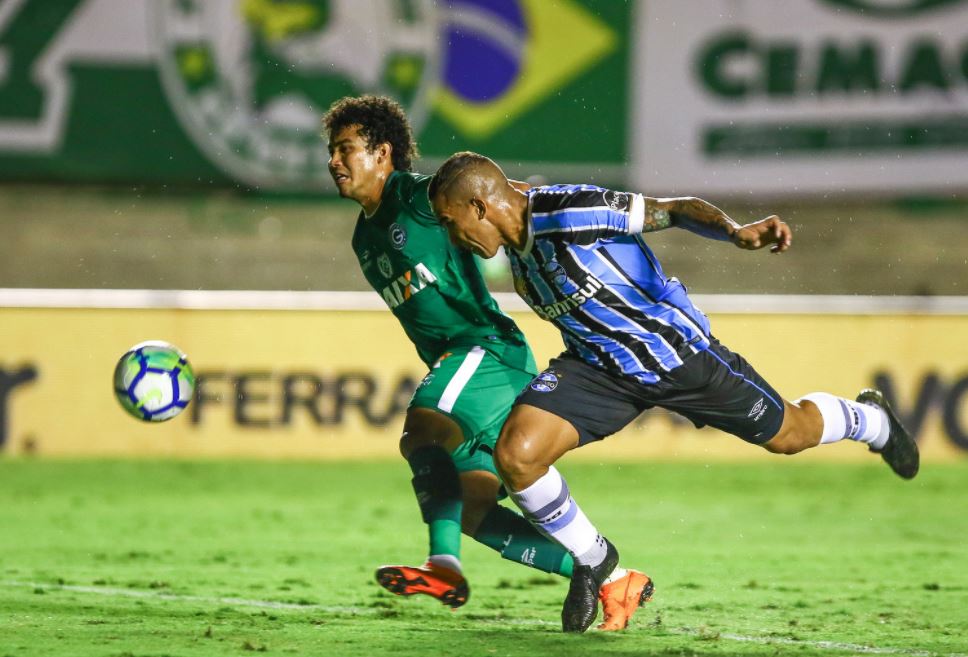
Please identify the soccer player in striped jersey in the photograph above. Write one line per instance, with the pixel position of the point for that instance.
(634, 340)
(477, 363)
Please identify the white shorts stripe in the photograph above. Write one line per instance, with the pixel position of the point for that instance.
(461, 377)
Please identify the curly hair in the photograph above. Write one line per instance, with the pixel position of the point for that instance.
(381, 119)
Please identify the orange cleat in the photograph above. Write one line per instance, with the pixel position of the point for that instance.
(447, 585)
(622, 597)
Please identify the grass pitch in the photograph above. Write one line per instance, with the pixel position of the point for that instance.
(124, 559)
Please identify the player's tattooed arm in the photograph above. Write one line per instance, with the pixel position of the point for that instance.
(693, 214)
(705, 219)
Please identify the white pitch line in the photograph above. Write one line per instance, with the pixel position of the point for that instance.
(270, 604)
(243, 602)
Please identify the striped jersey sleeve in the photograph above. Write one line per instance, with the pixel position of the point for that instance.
(585, 267)
(584, 214)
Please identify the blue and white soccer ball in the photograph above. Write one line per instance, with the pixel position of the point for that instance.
(153, 381)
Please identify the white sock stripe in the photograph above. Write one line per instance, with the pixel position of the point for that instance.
(861, 421)
(849, 426)
(558, 502)
(463, 374)
(549, 506)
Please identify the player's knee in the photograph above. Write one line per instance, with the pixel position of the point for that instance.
(410, 442)
(424, 428)
(787, 442)
(800, 431)
(516, 457)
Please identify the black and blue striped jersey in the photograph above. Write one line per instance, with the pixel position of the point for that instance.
(587, 269)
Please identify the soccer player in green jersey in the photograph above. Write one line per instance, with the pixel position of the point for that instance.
(478, 362)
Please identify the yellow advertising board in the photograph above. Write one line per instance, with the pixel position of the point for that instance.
(334, 384)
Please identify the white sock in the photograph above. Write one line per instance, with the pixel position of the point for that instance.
(843, 418)
(616, 574)
(548, 504)
(595, 554)
(445, 561)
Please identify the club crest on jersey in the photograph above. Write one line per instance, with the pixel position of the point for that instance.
(556, 272)
(403, 287)
(545, 382)
(618, 201)
(384, 265)
(398, 236)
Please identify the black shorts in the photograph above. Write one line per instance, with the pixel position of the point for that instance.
(714, 387)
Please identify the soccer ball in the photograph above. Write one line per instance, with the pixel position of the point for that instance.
(153, 381)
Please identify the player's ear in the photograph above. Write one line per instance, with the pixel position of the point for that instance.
(479, 208)
(385, 150)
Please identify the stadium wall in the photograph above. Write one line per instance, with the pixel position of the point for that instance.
(328, 375)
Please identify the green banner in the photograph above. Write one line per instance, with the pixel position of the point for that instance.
(230, 92)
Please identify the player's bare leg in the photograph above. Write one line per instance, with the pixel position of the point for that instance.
(820, 418)
(801, 429)
(531, 441)
(480, 492)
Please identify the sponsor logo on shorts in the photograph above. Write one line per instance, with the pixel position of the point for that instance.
(759, 408)
(398, 236)
(545, 382)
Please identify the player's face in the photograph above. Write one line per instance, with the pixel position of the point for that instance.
(358, 171)
(468, 225)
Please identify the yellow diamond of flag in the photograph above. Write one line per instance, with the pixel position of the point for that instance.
(558, 41)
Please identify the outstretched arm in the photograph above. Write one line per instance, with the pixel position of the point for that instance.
(703, 218)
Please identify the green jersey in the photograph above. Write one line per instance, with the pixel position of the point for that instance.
(435, 289)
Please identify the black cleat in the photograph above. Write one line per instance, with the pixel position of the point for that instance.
(581, 603)
(900, 451)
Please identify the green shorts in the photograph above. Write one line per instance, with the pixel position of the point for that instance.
(476, 389)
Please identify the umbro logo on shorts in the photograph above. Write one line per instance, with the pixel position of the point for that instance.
(545, 382)
(758, 409)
